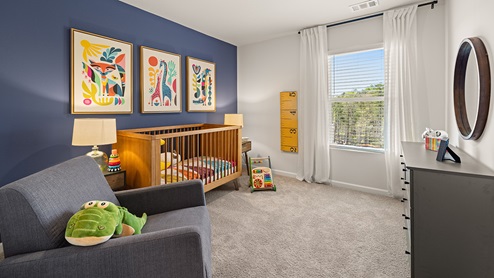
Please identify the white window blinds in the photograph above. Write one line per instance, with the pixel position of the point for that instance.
(356, 92)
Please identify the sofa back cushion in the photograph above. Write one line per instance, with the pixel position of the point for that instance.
(34, 211)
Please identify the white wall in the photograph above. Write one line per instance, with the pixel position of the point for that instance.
(432, 73)
(267, 68)
(356, 36)
(264, 70)
(465, 19)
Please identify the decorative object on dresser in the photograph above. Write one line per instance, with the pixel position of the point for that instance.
(472, 69)
(448, 214)
(438, 141)
(446, 152)
(433, 138)
(94, 132)
(168, 154)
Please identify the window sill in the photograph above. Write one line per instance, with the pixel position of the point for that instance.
(357, 149)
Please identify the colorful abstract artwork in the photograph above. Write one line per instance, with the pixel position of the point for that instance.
(101, 74)
(161, 90)
(201, 87)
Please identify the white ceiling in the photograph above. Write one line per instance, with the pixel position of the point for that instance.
(250, 21)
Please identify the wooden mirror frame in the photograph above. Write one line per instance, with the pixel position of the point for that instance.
(484, 78)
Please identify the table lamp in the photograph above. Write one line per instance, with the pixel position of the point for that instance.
(94, 132)
(234, 119)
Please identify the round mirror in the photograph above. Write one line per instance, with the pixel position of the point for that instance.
(472, 88)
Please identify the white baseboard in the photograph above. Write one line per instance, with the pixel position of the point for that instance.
(353, 186)
(284, 173)
(362, 188)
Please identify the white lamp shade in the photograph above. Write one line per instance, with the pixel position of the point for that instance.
(92, 132)
(234, 119)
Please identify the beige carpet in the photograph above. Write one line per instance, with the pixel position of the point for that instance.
(305, 230)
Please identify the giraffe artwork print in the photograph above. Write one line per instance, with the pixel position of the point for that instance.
(161, 90)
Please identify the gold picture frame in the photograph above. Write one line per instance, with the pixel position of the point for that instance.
(161, 81)
(101, 74)
(201, 85)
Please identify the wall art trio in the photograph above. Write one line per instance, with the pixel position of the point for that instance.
(102, 80)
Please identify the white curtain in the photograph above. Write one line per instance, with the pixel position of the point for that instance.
(400, 48)
(314, 110)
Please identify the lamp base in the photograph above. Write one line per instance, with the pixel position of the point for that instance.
(100, 157)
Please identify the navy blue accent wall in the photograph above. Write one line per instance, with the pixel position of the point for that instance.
(35, 119)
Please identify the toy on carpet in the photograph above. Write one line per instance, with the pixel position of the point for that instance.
(261, 177)
(114, 161)
(97, 221)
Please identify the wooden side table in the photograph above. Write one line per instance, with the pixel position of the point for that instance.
(246, 146)
(116, 180)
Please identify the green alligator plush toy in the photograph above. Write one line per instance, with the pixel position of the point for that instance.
(98, 221)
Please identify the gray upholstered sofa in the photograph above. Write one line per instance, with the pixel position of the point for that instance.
(175, 242)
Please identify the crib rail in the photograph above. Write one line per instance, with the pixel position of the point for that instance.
(162, 155)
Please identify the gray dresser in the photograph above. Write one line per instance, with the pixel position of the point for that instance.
(449, 214)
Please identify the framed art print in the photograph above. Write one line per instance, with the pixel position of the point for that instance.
(201, 87)
(161, 90)
(101, 74)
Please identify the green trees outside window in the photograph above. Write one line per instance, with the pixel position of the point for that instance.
(357, 119)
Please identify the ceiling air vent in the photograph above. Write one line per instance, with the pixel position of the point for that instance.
(364, 5)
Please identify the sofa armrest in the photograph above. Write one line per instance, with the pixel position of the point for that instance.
(174, 252)
(163, 198)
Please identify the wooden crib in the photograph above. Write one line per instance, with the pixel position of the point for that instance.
(167, 154)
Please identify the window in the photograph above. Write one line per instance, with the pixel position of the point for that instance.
(356, 93)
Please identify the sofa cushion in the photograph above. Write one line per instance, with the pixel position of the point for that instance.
(196, 217)
(34, 210)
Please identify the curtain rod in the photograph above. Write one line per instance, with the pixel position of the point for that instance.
(432, 3)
